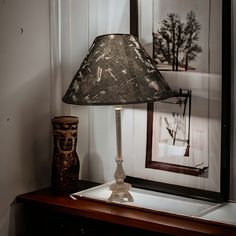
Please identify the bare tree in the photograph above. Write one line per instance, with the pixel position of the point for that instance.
(179, 42)
(192, 30)
(164, 40)
(175, 38)
(162, 46)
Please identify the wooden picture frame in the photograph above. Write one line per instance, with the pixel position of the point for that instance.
(222, 143)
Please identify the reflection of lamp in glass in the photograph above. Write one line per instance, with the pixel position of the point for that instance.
(117, 71)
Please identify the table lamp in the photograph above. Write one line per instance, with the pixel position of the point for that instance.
(117, 71)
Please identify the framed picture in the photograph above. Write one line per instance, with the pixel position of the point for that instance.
(188, 135)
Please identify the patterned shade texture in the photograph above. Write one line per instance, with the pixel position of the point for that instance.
(117, 70)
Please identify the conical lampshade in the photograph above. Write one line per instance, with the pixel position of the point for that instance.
(117, 70)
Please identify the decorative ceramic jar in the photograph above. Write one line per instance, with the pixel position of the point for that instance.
(65, 163)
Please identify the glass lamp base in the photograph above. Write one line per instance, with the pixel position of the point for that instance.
(120, 193)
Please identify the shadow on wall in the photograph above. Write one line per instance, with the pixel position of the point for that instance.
(84, 167)
(16, 220)
(96, 171)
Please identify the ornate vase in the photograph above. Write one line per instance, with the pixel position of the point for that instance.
(65, 163)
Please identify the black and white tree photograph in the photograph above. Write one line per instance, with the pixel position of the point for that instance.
(175, 43)
(185, 45)
(180, 143)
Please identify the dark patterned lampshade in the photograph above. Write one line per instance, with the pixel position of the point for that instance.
(117, 70)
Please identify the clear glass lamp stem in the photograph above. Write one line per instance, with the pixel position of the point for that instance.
(120, 189)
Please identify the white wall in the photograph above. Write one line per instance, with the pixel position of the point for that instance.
(82, 21)
(24, 102)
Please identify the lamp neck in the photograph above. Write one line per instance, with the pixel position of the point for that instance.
(118, 131)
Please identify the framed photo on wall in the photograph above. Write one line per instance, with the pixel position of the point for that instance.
(188, 135)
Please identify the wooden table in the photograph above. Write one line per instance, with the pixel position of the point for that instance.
(48, 214)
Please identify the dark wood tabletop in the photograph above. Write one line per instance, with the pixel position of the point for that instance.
(122, 215)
